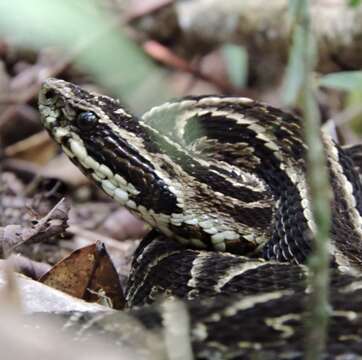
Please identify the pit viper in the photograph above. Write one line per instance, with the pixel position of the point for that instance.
(222, 181)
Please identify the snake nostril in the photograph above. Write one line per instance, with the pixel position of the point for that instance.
(49, 94)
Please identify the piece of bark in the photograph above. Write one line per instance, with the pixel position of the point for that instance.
(265, 29)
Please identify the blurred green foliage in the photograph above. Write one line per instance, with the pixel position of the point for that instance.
(295, 69)
(354, 3)
(344, 80)
(236, 58)
(354, 100)
(92, 39)
(350, 82)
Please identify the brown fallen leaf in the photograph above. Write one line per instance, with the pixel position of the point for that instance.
(88, 273)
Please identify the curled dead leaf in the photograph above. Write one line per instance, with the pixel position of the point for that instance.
(88, 273)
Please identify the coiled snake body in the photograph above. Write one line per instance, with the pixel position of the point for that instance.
(224, 174)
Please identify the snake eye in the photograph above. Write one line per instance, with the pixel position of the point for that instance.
(86, 120)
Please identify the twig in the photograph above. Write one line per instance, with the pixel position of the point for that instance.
(164, 55)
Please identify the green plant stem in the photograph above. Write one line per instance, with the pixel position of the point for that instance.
(319, 187)
(316, 324)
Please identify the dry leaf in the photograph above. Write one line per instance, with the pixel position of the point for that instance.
(88, 273)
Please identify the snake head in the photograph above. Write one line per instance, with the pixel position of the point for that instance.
(107, 143)
(68, 111)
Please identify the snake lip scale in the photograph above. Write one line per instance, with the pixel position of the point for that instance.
(213, 173)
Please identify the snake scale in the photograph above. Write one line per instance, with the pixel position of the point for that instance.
(222, 180)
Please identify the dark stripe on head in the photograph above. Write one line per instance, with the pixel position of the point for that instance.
(115, 153)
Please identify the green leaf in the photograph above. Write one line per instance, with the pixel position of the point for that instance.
(237, 64)
(354, 3)
(344, 80)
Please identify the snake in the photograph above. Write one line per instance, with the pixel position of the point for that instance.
(223, 183)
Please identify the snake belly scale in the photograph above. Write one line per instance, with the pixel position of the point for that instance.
(225, 178)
